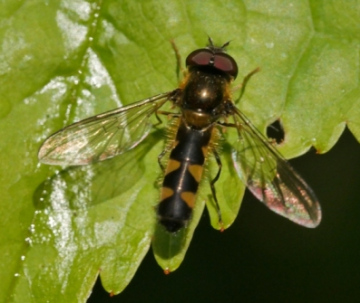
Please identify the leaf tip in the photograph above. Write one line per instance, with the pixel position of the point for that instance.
(167, 271)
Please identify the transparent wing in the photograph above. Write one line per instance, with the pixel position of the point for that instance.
(81, 187)
(102, 136)
(271, 178)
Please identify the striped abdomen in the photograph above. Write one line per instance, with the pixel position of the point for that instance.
(182, 176)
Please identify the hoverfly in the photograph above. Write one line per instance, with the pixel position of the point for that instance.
(203, 106)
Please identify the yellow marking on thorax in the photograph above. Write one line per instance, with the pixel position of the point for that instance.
(176, 142)
(189, 198)
(196, 171)
(205, 151)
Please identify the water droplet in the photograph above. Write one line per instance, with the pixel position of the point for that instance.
(28, 240)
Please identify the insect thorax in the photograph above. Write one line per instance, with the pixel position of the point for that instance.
(205, 90)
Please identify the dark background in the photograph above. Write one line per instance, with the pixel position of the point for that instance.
(266, 258)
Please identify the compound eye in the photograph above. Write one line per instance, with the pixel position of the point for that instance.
(219, 60)
(226, 64)
(200, 57)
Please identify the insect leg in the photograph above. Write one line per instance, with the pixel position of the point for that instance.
(213, 190)
(168, 146)
(169, 114)
(161, 155)
(178, 60)
(242, 86)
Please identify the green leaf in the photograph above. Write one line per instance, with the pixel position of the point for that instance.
(62, 61)
(169, 249)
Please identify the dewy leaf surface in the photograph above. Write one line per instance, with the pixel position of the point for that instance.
(62, 61)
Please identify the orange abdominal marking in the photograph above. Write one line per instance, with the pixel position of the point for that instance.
(166, 193)
(172, 166)
(196, 171)
(189, 198)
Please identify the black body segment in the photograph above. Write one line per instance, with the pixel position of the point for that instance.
(201, 99)
(182, 176)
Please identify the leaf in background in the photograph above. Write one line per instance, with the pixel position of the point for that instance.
(62, 61)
